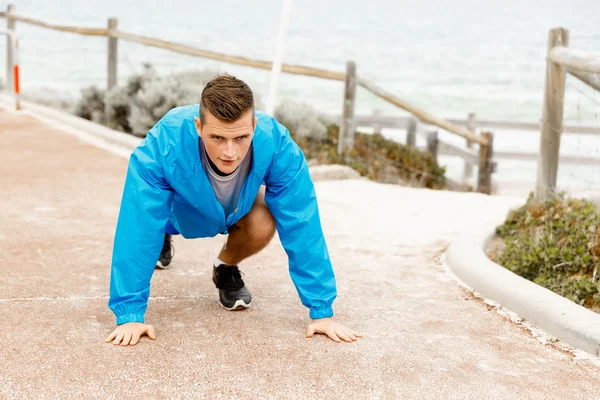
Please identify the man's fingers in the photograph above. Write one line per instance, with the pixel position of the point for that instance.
(151, 332)
(353, 334)
(118, 339)
(134, 339)
(343, 336)
(332, 335)
(110, 337)
(333, 330)
(126, 339)
(130, 339)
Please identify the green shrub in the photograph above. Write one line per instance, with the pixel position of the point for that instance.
(555, 244)
(377, 158)
(135, 107)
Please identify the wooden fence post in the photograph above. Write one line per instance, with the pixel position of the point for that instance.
(112, 54)
(552, 119)
(346, 133)
(411, 133)
(10, 25)
(432, 144)
(468, 170)
(486, 156)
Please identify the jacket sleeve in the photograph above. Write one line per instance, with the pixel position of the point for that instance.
(291, 198)
(139, 236)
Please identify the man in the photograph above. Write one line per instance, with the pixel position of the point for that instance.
(219, 167)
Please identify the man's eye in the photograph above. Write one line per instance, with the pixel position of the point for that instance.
(218, 138)
(241, 138)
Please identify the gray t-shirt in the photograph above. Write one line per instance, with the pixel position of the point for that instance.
(227, 188)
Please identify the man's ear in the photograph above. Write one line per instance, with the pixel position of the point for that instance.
(198, 125)
(255, 121)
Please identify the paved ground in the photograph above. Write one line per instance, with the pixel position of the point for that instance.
(425, 336)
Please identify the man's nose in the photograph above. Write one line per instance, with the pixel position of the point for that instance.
(229, 151)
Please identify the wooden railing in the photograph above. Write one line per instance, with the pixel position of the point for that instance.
(560, 60)
(351, 81)
(376, 122)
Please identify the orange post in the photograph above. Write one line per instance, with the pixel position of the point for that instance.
(16, 73)
(16, 76)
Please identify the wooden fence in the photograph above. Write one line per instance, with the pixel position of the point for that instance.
(483, 157)
(560, 60)
(377, 121)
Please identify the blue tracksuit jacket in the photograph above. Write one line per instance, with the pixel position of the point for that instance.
(166, 183)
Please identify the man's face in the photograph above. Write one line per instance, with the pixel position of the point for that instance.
(227, 143)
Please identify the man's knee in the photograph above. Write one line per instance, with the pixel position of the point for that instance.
(262, 226)
(259, 223)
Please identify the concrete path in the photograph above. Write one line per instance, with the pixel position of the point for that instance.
(425, 336)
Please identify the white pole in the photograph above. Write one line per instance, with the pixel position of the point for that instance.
(13, 72)
(275, 71)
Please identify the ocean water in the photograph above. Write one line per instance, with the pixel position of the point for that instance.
(448, 57)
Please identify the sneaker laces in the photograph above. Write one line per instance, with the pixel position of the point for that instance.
(229, 278)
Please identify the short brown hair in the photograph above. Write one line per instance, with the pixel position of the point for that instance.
(227, 98)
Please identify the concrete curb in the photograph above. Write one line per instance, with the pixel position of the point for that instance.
(558, 316)
(333, 172)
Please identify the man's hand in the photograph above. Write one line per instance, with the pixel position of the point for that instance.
(335, 331)
(130, 333)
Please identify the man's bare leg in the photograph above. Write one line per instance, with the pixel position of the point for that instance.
(250, 234)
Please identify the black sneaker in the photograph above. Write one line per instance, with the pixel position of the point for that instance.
(233, 294)
(166, 254)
